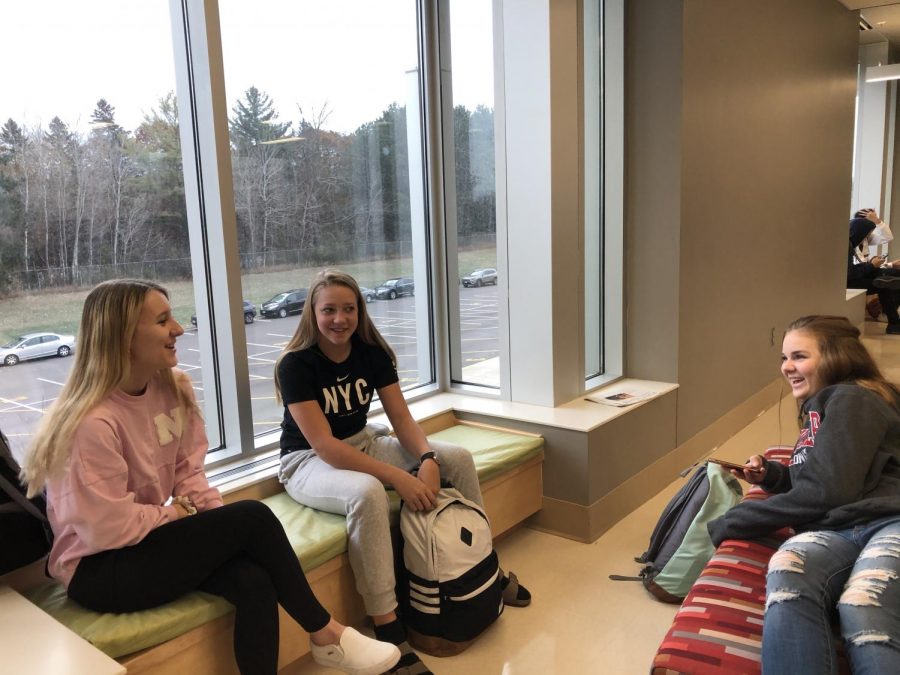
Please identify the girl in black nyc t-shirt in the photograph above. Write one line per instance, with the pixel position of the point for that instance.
(332, 461)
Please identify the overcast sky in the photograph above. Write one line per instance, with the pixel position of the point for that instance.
(61, 56)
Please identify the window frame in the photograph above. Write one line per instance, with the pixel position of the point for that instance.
(212, 226)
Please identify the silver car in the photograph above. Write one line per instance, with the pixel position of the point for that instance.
(35, 346)
(480, 278)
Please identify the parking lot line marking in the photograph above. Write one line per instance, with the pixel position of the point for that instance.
(262, 398)
(279, 335)
(21, 405)
(41, 379)
(260, 358)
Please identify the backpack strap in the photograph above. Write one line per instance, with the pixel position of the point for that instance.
(16, 495)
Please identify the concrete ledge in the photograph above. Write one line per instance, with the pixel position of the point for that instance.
(856, 307)
(586, 523)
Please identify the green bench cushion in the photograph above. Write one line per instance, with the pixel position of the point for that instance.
(121, 634)
(315, 536)
(494, 451)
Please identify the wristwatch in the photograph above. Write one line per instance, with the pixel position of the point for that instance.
(429, 455)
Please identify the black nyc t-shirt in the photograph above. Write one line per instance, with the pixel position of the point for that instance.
(342, 390)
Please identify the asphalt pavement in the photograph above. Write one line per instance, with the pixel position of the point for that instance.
(28, 389)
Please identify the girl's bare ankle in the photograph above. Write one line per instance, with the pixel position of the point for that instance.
(329, 635)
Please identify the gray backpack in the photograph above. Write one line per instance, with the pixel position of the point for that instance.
(451, 591)
(680, 546)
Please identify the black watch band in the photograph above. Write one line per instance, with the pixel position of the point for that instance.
(429, 455)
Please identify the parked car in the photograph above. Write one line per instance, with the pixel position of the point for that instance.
(288, 302)
(249, 313)
(396, 287)
(480, 278)
(367, 293)
(35, 346)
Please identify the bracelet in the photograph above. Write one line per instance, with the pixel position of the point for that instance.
(429, 455)
(186, 504)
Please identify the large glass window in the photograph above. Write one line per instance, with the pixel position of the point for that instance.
(90, 185)
(325, 118)
(475, 281)
(325, 125)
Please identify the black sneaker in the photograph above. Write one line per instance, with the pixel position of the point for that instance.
(892, 329)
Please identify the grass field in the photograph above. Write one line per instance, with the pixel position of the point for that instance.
(59, 311)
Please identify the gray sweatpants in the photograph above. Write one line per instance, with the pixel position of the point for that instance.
(362, 498)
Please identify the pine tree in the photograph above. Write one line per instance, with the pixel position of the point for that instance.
(253, 121)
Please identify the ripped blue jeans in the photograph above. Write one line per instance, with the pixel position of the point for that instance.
(854, 572)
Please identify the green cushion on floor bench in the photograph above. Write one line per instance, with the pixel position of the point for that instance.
(121, 634)
(494, 451)
(315, 536)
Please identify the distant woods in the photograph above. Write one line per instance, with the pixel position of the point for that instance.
(77, 208)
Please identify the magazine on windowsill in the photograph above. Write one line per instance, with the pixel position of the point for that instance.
(621, 397)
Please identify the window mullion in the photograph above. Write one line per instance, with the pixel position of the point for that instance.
(203, 123)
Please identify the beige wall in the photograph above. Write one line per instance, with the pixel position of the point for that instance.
(738, 174)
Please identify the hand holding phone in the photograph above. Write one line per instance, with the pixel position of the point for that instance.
(736, 467)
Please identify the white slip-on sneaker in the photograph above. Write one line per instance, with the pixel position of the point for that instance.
(356, 654)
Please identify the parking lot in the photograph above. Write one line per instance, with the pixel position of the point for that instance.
(28, 389)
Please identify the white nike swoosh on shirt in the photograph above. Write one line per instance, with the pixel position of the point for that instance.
(341, 379)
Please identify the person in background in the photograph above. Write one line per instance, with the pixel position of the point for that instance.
(880, 234)
(841, 494)
(870, 276)
(136, 523)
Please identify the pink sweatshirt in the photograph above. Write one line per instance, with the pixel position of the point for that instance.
(129, 455)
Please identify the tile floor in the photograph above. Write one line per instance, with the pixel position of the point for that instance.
(580, 621)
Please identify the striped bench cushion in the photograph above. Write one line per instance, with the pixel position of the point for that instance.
(718, 628)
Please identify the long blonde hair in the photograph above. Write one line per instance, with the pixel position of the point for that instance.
(307, 333)
(102, 362)
(844, 357)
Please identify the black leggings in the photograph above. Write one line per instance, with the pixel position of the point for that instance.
(238, 551)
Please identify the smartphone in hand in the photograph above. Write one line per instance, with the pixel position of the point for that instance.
(731, 465)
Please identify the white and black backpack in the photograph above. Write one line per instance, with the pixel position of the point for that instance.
(451, 592)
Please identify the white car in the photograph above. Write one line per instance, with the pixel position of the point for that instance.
(35, 346)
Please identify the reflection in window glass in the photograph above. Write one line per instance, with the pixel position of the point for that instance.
(90, 183)
(467, 53)
(324, 120)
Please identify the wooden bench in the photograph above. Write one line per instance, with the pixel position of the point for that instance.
(511, 494)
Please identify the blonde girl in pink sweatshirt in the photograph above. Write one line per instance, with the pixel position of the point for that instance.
(136, 523)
